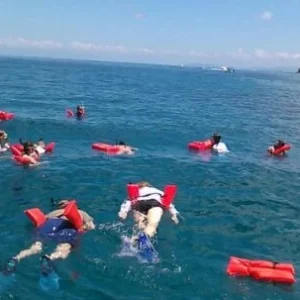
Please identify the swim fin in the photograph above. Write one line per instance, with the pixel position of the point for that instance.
(146, 250)
(49, 280)
(10, 266)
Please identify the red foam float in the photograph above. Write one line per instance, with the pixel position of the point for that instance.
(201, 145)
(50, 147)
(70, 113)
(109, 149)
(5, 116)
(15, 150)
(132, 191)
(24, 160)
(72, 213)
(261, 270)
(169, 195)
(37, 217)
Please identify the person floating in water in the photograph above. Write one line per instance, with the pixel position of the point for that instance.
(80, 111)
(125, 149)
(30, 153)
(4, 143)
(147, 209)
(279, 144)
(58, 228)
(218, 146)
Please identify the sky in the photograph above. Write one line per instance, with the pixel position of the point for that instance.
(237, 33)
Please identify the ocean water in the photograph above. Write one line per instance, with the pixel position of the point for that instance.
(244, 203)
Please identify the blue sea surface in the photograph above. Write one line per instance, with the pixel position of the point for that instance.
(244, 203)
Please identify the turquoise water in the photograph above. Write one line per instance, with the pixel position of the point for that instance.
(244, 203)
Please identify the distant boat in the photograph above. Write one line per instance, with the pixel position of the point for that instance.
(227, 70)
(298, 72)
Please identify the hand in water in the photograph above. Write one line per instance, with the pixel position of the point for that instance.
(122, 215)
(175, 219)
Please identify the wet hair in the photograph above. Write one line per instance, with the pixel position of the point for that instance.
(26, 145)
(62, 204)
(216, 137)
(279, 143)
(143, 184)
(26, 149)
(122, 144)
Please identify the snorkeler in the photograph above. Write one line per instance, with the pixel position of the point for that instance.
(147, 209)
(218, 146)
(4, 143)
(56, 227)
(80, 111)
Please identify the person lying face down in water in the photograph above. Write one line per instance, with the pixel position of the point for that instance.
(124, 149)
(65, 242)
(4, 143)
(218, 146)
(148, 209)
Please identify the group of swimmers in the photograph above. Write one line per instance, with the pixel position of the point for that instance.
(148, 209)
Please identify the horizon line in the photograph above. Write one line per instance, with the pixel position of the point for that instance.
(179, 65)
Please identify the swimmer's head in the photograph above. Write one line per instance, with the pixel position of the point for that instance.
(28, 148)
(122, 144)
(143, 184)
(280, 143)
(216, 137)
(3, 135)
(62, 204)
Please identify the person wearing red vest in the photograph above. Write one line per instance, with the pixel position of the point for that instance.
(60, 230)
(147, 209)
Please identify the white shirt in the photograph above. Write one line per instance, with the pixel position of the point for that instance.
(5, 148)
(148, 193)
(220, 148)
(40, 149)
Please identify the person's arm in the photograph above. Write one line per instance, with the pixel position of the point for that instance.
(32, 159)
(174, 213)
(125, 208)
(88, 221)
(57, 213)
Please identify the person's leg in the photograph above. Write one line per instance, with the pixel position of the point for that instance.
(139, 219)
(34, 249)
(62, 251)
(154, 215)
(12, 262)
